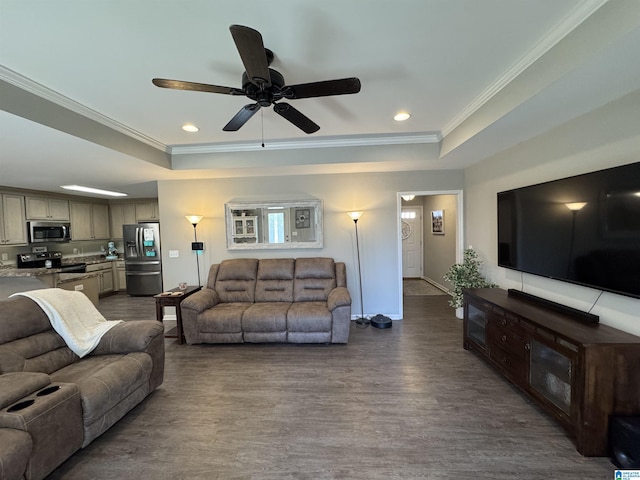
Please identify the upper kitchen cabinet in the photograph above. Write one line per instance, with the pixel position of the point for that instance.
(121, 214)
(89, 221)
(13, 226)
(43, 208)
(147, 212)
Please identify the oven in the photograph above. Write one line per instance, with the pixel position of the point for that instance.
(73, 268)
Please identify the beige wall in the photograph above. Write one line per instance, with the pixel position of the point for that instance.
(439, 250)
(375, 194)
(605, 138)
(601, 139)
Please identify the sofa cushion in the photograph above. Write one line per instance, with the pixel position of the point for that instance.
(236, 280)
(314, 279)
(266, 317)
(223, 318)
(43, 352)
(309, 317)
(275, 280)
(27, 340)
(106, 380)
(21, 317)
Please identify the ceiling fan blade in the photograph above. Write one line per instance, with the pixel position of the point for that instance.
(251, 49)
(241, 117)
(198, 87)
(294, 116)
(326, 88)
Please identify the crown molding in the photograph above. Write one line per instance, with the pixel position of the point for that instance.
(35, 88)
(578, 15)
(326, 142)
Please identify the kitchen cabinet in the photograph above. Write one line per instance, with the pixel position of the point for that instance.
(43, 208)
(89, 221)
(579, 373)
(86, 285)
(147, 212)
(104, 272)
(121, 214)
(13, 225)
(120, 276)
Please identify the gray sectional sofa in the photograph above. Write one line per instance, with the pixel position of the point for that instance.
(302, 300)
(53, 402)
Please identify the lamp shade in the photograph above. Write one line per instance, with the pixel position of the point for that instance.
(575, 206)
(193, 219)
(355, 215)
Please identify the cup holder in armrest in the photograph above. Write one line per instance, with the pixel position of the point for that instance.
(20, 405)
(48, 390)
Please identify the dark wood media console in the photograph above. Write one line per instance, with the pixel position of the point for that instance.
(580, 373)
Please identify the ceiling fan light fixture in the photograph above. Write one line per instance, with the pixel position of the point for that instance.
(190, 127)
(402, 116)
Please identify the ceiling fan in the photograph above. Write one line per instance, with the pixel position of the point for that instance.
(264, 85)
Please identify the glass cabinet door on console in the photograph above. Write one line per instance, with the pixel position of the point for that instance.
(550, 375)
(476, 329)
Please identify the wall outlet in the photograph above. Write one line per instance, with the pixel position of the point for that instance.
(79, 287)
(174, 253)
(5, 256)
(75, 250)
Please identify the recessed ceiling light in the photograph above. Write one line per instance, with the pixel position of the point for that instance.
(402, 116)
(189, 127)
(80, 188)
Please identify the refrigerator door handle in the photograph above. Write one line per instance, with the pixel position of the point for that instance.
(142, 273)
(141, 262)
(139, 241)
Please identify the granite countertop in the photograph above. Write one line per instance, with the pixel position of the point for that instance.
(69, 277)
(9, 271)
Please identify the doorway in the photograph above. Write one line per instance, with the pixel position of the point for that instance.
(439, 216)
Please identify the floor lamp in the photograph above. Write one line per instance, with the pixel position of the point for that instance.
(355, 216)
(196, 245)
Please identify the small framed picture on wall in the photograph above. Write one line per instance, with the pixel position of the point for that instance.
(437, 222)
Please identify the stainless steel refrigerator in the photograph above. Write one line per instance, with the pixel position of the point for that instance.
(143, 262)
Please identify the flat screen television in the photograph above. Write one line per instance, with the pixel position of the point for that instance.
(583, 229)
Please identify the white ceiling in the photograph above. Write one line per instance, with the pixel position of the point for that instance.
(78, 105)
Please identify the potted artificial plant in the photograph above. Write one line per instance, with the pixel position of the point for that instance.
(465, 275)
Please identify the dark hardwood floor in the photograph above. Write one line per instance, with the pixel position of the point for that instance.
(402, 403)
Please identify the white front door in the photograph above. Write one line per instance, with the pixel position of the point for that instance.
(411, 231)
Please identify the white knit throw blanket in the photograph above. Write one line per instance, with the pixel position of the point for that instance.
(73, 316)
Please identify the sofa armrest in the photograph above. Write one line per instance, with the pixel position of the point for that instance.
(200, 301)
(137, 336)
(126, 337)
(17, 385)
(338, 297)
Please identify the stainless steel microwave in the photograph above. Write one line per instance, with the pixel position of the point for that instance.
(41, 232)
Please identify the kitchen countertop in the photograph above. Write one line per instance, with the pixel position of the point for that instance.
(9, 271)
